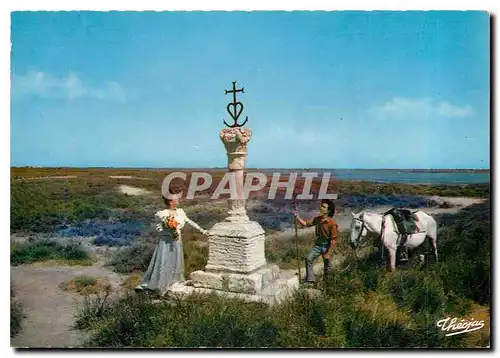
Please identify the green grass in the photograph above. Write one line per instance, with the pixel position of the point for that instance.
(43, 206)
(370, 188)
(84, 281)
(85, 285)
(16, 314)
(44, 250)
(283, 252)
(363, 306)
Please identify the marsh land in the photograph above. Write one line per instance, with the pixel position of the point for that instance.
(80, 239)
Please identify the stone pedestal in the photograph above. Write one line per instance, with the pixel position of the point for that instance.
(236, 247)
(275, 286)
(236, 264)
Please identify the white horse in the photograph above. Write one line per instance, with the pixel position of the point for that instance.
(365, 221)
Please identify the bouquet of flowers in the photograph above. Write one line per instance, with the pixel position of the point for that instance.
(171, 223)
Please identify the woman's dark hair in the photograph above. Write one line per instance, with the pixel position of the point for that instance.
(173, 190)
(331, 206)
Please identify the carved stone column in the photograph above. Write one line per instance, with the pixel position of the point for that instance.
(235, 140)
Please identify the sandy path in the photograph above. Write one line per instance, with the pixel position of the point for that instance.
(49, 310)
(132, 190)
(459, 202)
(127, 177)
(49, 177)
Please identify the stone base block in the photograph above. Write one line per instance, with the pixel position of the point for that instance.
(234, 282)
(236, 247)
(277, 291)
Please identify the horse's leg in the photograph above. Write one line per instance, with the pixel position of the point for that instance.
(390, 243)
(392, 258)
(433, 241)
(434, 245)
(421, 259)
(432, 235)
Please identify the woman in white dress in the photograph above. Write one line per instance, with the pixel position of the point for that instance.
(167, 264)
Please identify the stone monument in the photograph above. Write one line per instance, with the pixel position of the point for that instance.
(236, 264)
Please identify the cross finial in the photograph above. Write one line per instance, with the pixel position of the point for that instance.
(235, 108)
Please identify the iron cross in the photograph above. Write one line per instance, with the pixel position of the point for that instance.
(236, 107)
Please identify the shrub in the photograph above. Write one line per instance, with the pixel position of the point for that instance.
(134, 258)
(16, 314)
(203, 321)
(284, 252)
(45, 206)
(195, 254)
(465, 252)
(84, 285)
(95, 307)
(131, 281)
(44, 249)
(418, 291)
(376, 322)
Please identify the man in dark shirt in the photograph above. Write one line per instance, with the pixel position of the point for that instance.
(326, 235)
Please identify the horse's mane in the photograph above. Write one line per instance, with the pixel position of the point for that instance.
(369, 213)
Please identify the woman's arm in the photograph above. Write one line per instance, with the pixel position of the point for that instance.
(158, 222)
(195, 225)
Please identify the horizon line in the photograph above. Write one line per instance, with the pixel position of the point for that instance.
(255, 168)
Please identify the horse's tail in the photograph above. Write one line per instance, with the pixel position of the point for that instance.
(432, 234)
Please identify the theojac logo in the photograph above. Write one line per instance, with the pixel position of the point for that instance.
(454, 327)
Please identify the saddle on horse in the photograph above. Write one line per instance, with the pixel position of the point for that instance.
(406, 223)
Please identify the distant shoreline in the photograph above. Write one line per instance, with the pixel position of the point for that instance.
(449, 170)
(380, 176)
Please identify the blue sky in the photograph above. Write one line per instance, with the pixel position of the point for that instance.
(322, 89)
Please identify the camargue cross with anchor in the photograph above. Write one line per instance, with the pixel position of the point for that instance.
(235, 108)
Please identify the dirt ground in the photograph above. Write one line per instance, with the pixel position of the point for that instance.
(131, 190)
(49, 310)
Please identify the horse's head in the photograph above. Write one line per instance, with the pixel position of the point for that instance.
(358, 229)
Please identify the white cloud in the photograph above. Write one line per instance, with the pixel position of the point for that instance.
(400, 107)
(447, 109)
(36, 83)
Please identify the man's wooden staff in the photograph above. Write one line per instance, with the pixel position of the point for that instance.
(296, 239)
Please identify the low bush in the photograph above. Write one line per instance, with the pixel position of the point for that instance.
(84, 285)
(17, 314)
(47, 205)
(134, 258)
(44, 249)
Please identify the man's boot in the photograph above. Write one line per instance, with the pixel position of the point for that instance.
(326, 268)
(309, 279)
